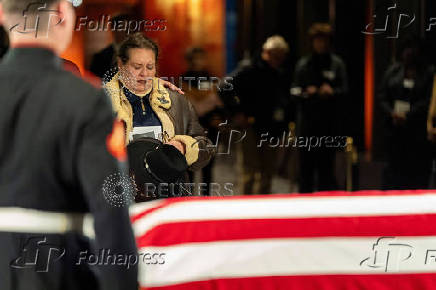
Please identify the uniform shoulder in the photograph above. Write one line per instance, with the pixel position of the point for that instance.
(76, 83)
(76, 91)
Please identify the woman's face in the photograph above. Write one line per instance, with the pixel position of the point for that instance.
(138, 71)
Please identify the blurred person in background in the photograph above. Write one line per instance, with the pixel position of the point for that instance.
(260, 104)
(54, 161)
(404, 99)
(145, 106)
(431, 134)
(203, 95)
(321, 83)
(105, 60)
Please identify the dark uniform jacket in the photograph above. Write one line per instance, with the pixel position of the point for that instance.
(53, 158)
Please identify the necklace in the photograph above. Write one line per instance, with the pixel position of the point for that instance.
(143, 107)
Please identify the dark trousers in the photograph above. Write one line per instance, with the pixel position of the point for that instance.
(405, 173)
(259, 164)
(44, 262)
(317, 170)
(412, 177)
(409, 157)
(206, 173)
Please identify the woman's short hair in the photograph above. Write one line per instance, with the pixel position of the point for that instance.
(137, 40)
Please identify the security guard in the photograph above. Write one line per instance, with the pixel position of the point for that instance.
(58, 146)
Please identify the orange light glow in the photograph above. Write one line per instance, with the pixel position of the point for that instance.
(75, 51)
(369, 82)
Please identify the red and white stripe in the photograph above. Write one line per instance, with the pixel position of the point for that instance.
(287, 241)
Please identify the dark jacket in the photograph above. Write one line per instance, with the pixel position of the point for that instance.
(409, 139)
(54, 158)
(318, 116)
(103, 61)
(392, 89)
(262, 94)
(177, 116)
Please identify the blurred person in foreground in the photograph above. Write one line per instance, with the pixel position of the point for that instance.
(55, 155)
(404, 99)
(146, 107)
(4, 41)
(320, 85)
(260, 106)
(202, 93)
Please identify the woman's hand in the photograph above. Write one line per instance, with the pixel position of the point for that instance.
(179, 146)
(171, 86)
(398, 118)
(326, 90)
(311, 90)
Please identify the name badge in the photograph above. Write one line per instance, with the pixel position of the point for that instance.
(401, 107)
(204, 85)
(329, 74)
(279, 115)
(408, 83)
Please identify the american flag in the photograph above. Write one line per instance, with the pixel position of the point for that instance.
(333, 240)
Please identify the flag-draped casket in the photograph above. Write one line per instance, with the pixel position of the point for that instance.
(328, 241)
